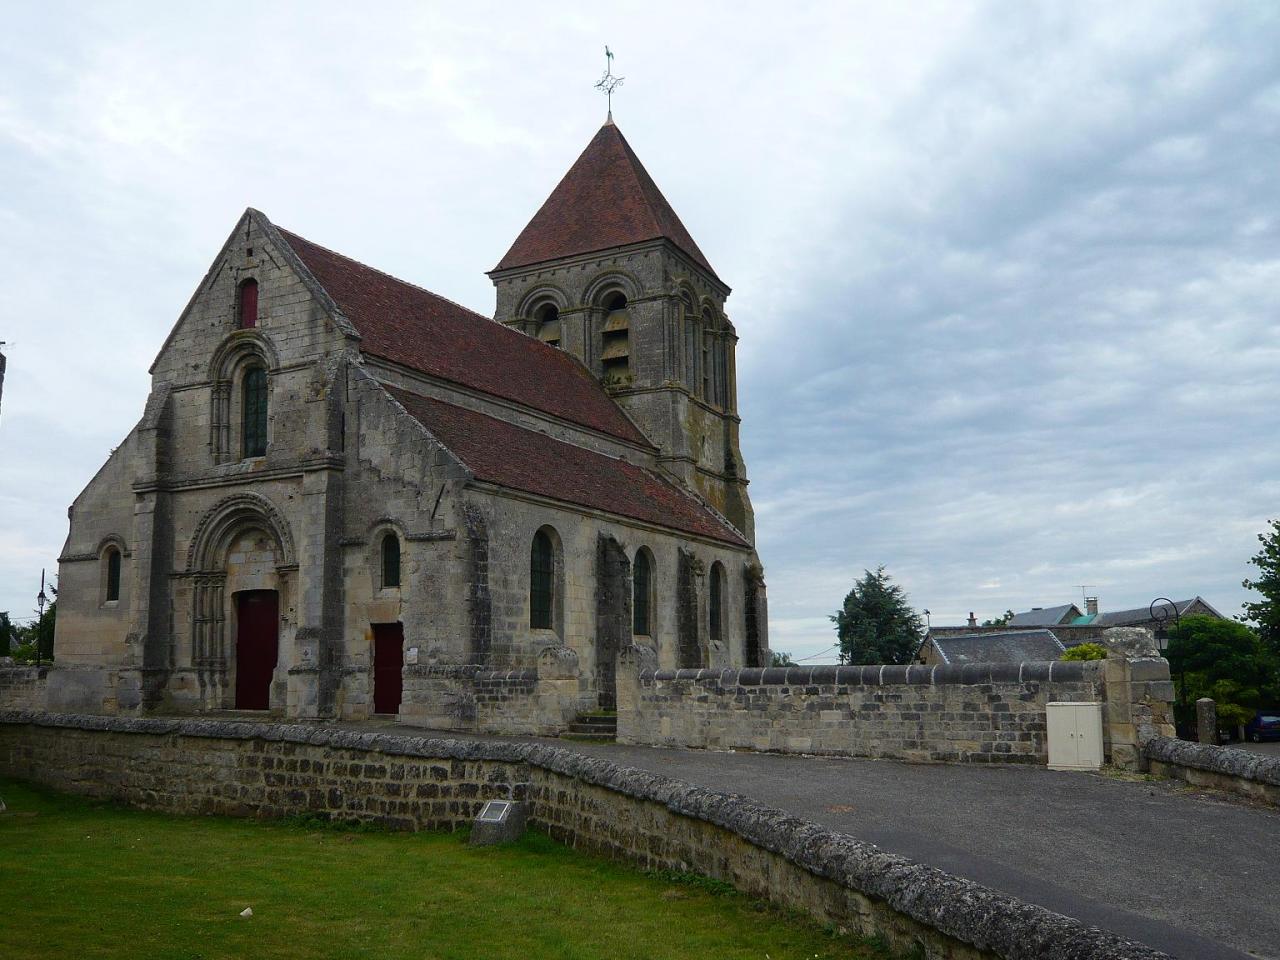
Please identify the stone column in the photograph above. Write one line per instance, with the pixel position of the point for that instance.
(1206, 721)
(318, 648)
(1139, 695)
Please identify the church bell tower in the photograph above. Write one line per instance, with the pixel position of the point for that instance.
(606, 271)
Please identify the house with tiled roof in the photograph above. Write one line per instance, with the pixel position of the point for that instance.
(349, 496)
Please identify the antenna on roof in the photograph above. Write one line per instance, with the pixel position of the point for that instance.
(608, 83)
(1084, 590)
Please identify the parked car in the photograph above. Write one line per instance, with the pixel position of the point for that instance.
(1265, 725)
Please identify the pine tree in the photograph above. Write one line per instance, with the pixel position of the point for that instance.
(877, 624)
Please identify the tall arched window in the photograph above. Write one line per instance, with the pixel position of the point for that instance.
(113, 574)
(642, 594)
(715, 605)
(247, 306)
(253, 405)
(390, 560)
(707, 361)
(692, 337)
(542, 578)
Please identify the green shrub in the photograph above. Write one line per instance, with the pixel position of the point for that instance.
(1086, 651)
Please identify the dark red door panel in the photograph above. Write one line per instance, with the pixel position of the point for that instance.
(388, 659)
(257, 646)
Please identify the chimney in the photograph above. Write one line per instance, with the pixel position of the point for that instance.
(1091, 606)
(973, 621)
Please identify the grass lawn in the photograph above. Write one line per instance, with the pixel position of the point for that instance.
(83, 880)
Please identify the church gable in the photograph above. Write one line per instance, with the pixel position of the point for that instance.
(255, 287)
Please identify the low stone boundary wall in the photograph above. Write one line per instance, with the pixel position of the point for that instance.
(1252, 775)
(23, 686)
(472, 699)
(975, 713)
(272, 770)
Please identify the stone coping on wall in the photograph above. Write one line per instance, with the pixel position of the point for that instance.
(468, 671)
(1047, 671)
(1224, 761)
(992, 922)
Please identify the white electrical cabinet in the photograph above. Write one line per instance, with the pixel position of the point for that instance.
(1075, 736)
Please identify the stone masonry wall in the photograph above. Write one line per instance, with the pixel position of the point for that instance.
(23, 687)
(978, 713)
(508, 702)
(272, 770)
(1246, 774)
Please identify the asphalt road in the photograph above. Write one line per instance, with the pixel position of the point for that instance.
(1185, 872)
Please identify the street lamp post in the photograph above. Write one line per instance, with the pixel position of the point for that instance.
(41, 600)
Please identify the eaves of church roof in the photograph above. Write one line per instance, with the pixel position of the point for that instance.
(408, 325)
(508, 455)
(606, 200)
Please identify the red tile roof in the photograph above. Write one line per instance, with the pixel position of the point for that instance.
(406, 324)
(607, 199)
(511, 456)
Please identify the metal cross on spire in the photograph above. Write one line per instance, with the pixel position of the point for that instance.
(608, 83)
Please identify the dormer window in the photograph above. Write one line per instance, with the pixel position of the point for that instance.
(247, 305)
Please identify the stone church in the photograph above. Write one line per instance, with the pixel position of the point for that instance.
(349, 496)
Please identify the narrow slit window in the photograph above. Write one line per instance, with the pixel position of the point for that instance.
(642, 586)
(248, 305)
(541, 581)
(716, 601)
(254, 420)
(391, 560)
(113, 574)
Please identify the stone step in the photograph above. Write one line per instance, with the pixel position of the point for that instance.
(572, 734)
(593, 726)
(610, 722)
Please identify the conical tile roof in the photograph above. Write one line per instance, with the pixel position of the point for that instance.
(607, 199)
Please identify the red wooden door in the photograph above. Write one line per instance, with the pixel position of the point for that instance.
(388, 659)
(257, 645)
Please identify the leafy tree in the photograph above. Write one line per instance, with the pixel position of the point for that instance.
(1224, 660)
(876, 623)
(1085, 651)
(6, 633)
(1001, 621)
(779, 659)
(1266, 612)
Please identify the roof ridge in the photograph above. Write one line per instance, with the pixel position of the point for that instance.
(389, 276)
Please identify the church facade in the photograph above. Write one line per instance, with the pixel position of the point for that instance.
(348, 496)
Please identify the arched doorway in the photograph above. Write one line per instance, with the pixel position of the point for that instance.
(257, 647)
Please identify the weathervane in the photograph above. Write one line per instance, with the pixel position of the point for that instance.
(608, 83)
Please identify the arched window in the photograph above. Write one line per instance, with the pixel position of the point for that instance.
(615, 346)
(692, 337)
(247, 306)
(642, 594)
(390, 560)
(715, 605)
(253, 401)
(542, 578)
(722, 372)
(707, 361)
(548, 318)
(113, 574)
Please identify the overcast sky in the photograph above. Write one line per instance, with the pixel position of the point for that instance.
(1006, 275)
